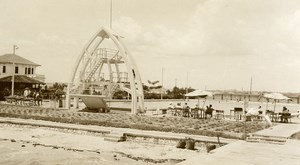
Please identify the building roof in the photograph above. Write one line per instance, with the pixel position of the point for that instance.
(10, 58)
(21, 79)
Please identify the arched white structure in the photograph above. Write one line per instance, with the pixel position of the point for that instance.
(90, 67)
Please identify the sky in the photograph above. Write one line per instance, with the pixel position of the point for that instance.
(203, 44)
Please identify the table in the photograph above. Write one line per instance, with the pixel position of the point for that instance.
(198, 113)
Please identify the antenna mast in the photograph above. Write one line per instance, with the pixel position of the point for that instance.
(250, 86)
(111, 3)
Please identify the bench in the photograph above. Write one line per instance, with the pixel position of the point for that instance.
(219, 114)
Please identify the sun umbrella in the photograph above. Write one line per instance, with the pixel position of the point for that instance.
(199, 94)
(275, 97)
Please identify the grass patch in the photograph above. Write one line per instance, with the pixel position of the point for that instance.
(205, 127)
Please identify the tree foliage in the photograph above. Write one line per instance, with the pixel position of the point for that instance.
(175, 93)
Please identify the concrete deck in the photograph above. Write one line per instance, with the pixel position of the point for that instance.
(284, 130)
(234, 153)
(247, 153)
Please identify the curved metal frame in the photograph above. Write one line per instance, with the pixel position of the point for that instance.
(136, 88)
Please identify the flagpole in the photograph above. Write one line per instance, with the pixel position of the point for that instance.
(13, 70)
(162, 82)
(187, 84)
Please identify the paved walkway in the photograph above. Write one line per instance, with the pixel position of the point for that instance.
(284, 130)
(247, 153)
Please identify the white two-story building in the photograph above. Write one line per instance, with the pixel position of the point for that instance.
(12, 63)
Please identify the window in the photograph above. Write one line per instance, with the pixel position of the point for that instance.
(31, 70)
(16, 69)
(4, 69)
(25, 70)
(28, 71)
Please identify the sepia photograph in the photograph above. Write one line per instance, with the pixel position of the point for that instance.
(149, 82)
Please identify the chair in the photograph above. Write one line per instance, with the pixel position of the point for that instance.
(274, 116)
(178, 111)
(156, 112)
(194, 113)
(284, 117)
(185, 112)
(209, 111)
(219, 114)
(260, 115)
(171, 111)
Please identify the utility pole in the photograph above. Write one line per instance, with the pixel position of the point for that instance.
(251, 86)
(13, 70)
(162, 83)
(187, 82)
(110, 21)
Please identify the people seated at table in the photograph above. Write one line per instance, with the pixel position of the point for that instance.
(209, 110)
(171, 108)
(284, 112)
(185, 110)
(177, 108)
(37, 96)
(194, 112)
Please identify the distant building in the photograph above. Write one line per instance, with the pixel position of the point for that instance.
(22, 67)
(22, 71)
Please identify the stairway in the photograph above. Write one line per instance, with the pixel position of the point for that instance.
(266, 139)
(93, 71)
(115, 137)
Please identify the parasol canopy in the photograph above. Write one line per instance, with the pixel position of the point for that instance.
(275, 96)
(199, 94)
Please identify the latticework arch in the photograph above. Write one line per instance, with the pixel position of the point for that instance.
(104, 66)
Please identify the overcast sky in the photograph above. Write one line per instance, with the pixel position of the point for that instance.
(220, 44)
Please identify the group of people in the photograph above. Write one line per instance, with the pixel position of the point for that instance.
(187, 111)
(35, 95)
(258, 113)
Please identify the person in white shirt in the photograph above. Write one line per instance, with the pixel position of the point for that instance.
(27, 92)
